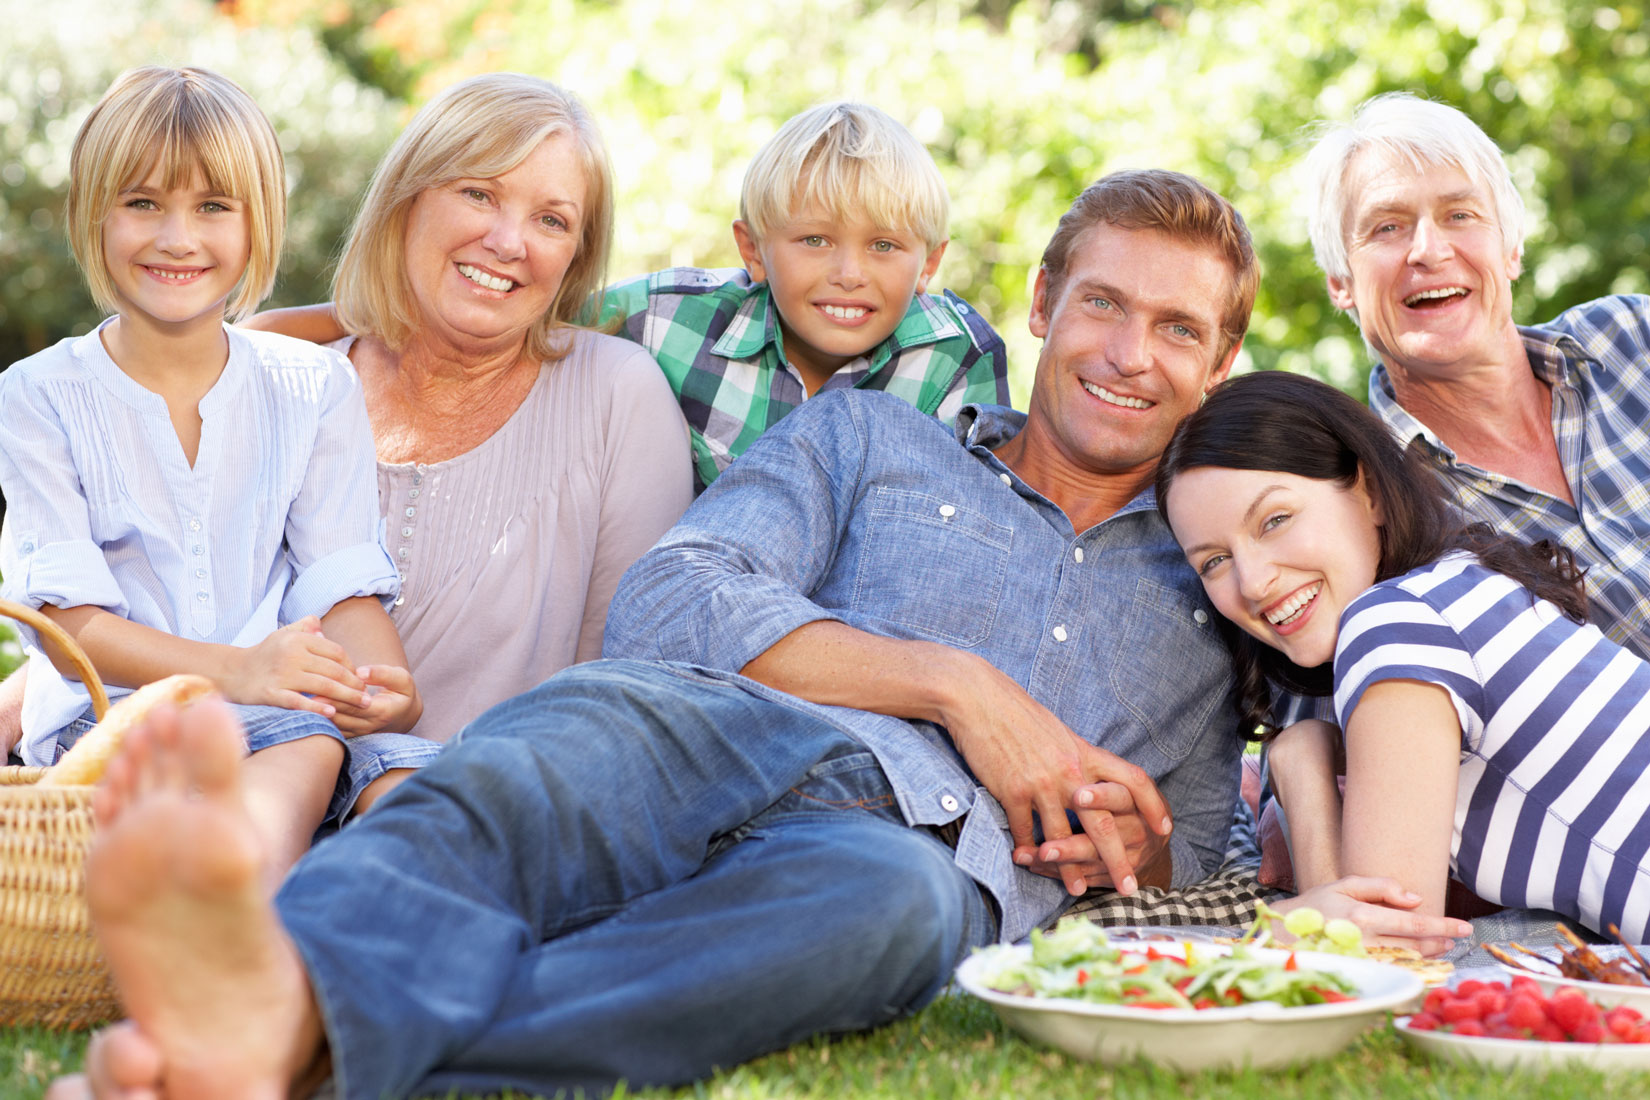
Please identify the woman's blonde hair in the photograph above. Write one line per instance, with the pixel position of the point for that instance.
(479, 128)
(177, 122)
(850, 159)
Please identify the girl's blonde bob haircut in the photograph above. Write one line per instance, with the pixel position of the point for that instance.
(850, 159)
(177, 122)
(479, 128)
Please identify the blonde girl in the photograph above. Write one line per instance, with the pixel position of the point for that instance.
(184, 496)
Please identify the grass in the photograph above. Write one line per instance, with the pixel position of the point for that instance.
(957, 1049)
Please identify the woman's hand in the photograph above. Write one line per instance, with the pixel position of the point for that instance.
(395, 706)
(1384, 911)
(289, 667)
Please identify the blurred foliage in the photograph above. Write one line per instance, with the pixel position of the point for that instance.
(1022, 102)
(11, 651)
(59, 62)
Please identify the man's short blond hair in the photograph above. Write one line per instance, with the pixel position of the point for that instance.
(850, 159)
(177, 122)
(479, 128)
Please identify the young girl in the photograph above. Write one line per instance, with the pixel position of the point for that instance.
(1489, 731)
(177, 489)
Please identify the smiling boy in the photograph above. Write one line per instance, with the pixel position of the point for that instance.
(842, 224)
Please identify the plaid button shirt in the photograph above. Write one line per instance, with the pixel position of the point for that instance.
(717, 337)
(1596, 358)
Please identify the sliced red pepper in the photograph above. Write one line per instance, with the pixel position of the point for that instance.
(1291, 964)
(1082, 976)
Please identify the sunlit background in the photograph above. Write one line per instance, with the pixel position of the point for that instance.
(1021, 101)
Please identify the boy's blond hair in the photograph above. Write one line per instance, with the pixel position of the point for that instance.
(479, 128)
(848, 158)
(177, 122)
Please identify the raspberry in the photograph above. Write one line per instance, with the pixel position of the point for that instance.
(1458, 1009)
(1470, 1027)
(1525, 1011)
(1570, 1009)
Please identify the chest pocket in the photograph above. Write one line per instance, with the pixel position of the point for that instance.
(932, 566)
(1170, 668)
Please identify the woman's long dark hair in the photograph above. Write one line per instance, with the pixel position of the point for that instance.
(1276, 421)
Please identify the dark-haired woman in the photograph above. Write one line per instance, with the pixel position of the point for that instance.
(1489, 731)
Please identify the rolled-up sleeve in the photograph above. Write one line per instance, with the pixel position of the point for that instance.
(334, 530)
(47, 552)
(735, 575)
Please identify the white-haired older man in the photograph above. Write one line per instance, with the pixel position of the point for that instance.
(1538, 430)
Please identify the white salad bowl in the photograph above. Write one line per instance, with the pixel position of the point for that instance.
(1261, 1035)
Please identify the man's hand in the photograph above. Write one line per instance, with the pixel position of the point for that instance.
(1037, 769)
(1146, 850)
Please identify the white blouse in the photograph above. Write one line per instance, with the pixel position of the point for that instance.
(276, 519)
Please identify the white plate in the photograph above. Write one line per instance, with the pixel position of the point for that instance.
(1260, 1035)
(1525, 1053)
(1605, 993)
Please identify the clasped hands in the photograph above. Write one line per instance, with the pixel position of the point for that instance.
(299, 668)
(1038, 769)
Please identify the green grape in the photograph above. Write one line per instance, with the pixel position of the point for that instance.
(1343, 933)
(1303, 922)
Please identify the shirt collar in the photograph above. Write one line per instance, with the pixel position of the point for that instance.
(984, 428)
(755, 326)
(1551, 356)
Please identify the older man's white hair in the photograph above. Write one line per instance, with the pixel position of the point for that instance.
(1420, 131)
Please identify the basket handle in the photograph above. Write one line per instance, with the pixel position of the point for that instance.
(60, 638)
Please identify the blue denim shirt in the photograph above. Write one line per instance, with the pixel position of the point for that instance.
(859, 508)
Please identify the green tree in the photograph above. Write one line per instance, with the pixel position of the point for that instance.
(331, 127)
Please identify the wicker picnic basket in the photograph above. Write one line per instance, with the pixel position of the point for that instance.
(52, 973)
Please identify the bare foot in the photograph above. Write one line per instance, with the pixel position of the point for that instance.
(175, 886)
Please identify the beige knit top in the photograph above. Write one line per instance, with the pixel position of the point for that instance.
(509, 553)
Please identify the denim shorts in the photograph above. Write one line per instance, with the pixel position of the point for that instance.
(366, 757)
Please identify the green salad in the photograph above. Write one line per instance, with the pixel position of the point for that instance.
(1075, 961)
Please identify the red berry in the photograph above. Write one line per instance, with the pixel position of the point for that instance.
(1620, 1025)
(1434, 1002)
(1589, 1032)
(1525, 1011)
(1521, 984)
(1549, 1032)
(1458, 1009)
(1570, 1009)
(1424, 1021)
(1470, 988)
(1504, 1032)
(1470, 1027)
(1491, 1001)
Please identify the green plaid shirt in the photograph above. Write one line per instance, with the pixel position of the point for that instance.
(717, 337)
(1596, 358)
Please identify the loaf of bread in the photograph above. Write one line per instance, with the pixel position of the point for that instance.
(83, 764)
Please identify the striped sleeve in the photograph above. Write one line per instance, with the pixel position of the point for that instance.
(1391, 634)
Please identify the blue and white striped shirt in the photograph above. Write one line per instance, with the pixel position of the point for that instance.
(277, 518)
(1596, 358)
(1553, 806)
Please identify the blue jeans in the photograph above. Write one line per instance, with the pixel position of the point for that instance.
(633, 871)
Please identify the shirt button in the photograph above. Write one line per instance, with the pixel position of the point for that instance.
(402, 551)
(197, 550)
(28, 548)
(949, 803)
(406, 532)
(201, 596)
(1077, 553)
(399, 600)
(1059, 633)
(1006, 479)
(418, 476)
(948, 510)
(194, 525)
(411, 512)
(962, 307)
(200, 574)
(413, 493)
(1200, 616)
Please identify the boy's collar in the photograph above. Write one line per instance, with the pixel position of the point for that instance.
(756, 325)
